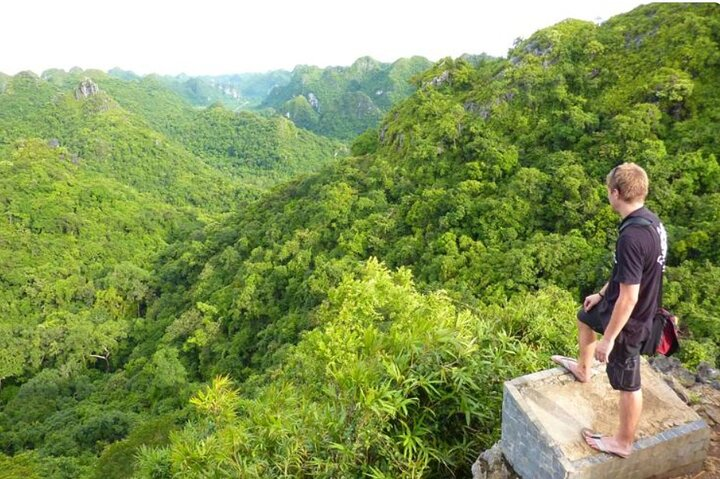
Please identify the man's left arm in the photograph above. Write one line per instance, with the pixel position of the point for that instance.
(621, 314)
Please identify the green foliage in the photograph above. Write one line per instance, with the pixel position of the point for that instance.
(167, 373)
(691, 293)
(19, 466)
(301, 113)
(482, 196)
(30, 465)
(692, 353)
(487, 183)
(104, 429)
(365, 143)
(341, 102)
(99, 136)
(154, 463)
(245, 143)
(257, 151)
(141, 133)
(118, 459)
(91, 189)
(59, 304)
(393, 383)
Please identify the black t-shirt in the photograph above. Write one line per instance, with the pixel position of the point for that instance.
(640, 254)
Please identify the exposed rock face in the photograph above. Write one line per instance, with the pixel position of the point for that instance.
(383, 131)
(360, 105)
(534, 48)
(673, 370)
(313, 100)
(492, 465)
(483, 111)
(86, 88)
(439, 80)
(707, 374)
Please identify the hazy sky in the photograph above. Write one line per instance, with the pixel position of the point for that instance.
(214, 36)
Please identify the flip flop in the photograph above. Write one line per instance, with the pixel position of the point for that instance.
(564, 362)
(599, 445)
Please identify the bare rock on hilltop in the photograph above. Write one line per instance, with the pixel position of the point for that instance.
(86, 89)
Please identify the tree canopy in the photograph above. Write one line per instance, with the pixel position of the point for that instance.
(357, 321)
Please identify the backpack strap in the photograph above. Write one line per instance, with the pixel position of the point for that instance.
(637, 220)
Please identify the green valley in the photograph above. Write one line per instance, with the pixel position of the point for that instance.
(204, 293)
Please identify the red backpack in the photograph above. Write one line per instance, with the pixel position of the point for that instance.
(665, 339)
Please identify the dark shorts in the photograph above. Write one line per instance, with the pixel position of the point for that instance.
(623, 367)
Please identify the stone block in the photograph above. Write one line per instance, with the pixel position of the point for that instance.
(544, 413)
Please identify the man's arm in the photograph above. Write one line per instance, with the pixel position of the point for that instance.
(621, 314)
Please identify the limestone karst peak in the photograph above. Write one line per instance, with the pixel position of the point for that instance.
(86, 89)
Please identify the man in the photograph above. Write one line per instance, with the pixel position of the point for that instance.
(623, 310)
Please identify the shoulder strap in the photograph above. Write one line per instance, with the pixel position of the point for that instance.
(635, 220)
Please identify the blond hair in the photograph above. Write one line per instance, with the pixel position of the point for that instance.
(630, 180)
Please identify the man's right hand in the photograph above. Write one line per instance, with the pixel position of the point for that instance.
(591, 301)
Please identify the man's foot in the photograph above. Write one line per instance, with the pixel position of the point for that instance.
(606, 444)
(572, 366)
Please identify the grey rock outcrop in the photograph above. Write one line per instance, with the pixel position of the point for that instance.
(707, 374)
(86, 88)
(675, 372)
(313, 100)
(440, 80)
(492, 465)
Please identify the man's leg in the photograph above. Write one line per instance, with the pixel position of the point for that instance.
(621, 443)
(587, 341)
(581, 368)
(623, 372)
(630, 410)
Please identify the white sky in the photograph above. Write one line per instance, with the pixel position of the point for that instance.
(215, 36)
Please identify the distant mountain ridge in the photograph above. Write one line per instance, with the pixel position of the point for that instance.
(242, 91)
(342, 102)
(338, 101)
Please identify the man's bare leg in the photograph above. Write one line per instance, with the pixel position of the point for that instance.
(630, 411)
(621, 443)
(581, 368)
(587, 341)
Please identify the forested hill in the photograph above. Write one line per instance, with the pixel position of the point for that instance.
(359, 322)
(237, 91)
(338, 102)
(140, 132)
(97, 177)
(103, 137)
(486, 188)
(342, 102)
